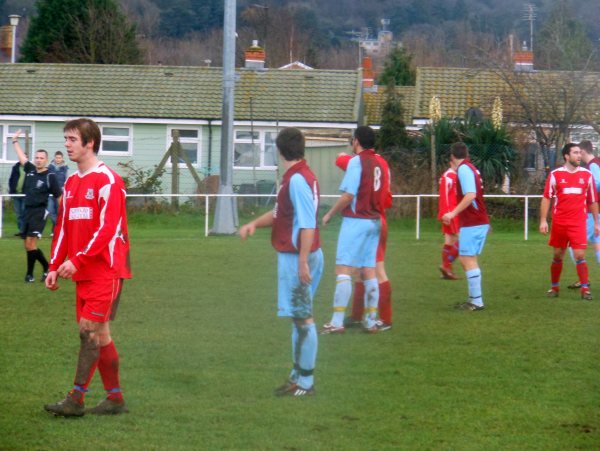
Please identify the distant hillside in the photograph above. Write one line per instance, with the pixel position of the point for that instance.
(318, 32)
(336, 17)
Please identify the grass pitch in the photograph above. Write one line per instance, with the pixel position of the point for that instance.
(202, 349)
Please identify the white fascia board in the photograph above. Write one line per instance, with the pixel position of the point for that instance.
(421, 121)
(349, 125)
(104, 120)
(121, 120)
(549, 125)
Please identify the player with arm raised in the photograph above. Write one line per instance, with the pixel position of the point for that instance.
(295, 237)
(91, 246)
(573, 190)
(38, 185)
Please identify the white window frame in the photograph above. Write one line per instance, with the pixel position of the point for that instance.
(526, 158)
(591, 135)
(128, 139)
(8, 136)
(186, 140)
(261, 147)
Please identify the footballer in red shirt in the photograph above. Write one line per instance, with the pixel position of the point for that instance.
(573, 190)
(446, 203)
(91, 246)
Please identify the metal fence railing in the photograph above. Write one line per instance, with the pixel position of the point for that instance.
(208, 197)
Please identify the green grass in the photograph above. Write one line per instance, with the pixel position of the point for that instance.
(202, 349)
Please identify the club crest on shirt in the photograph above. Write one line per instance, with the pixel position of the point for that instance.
(581, 181)
(90, 194)
(563, 181)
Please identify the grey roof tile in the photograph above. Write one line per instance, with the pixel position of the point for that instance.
(168, 92)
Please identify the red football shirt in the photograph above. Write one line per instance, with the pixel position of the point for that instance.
(91, 227)
(572, 192)
(447, 199)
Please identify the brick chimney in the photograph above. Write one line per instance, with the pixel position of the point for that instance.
(523, 59)
(254, 57)
(368, 75)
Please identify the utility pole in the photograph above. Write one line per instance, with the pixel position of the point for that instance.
(226, 218)
(530, 16)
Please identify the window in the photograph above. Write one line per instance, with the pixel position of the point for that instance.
(531, 155)
(590, 135)
(116, 140)
(255, 149)
(7, 132)
(190, 140)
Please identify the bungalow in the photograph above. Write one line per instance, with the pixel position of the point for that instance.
(565, 102)
(138, 108)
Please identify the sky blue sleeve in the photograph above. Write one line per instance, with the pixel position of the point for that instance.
(304, 202)
(351, 181)
(595, 170)
(466, 177)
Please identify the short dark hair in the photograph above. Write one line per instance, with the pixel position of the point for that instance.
(365, 136)
(88, 130)
(58, 152)
(290, 142)
(42, 151)
(566, 150)
(586, 146)
(459, 150)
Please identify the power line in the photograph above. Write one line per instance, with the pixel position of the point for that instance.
(529, 15)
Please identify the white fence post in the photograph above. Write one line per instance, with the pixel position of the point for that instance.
(418, 217)
(206, 204)
(526, 218)
(1, 214)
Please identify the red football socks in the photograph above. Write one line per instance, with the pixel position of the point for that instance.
(555, 270)
(358, 303)
(582, 272)
(446, 254)
(449, 254)
(385, 302)
(108, 365)
(454, 252)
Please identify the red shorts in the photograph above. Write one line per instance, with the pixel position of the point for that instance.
(563, 236)
(97, 300)
(382, 241)
(452, 228)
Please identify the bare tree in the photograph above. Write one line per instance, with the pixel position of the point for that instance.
(104, 37)
(551, 103)
(196, 49)
(145, 14)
